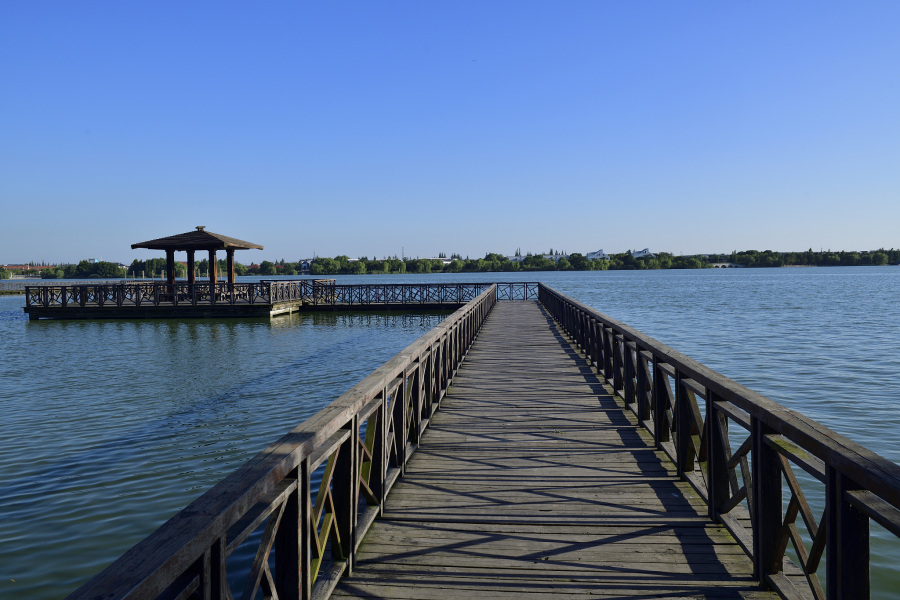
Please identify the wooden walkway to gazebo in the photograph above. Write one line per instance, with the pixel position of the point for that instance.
(532, 481)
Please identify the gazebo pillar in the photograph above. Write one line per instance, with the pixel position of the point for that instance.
(229, 252)
(191, 279)
(212, 272)
(170, 267)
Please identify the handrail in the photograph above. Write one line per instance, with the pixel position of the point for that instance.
(662, 387)
(364, 439)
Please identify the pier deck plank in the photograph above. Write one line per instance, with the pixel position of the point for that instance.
(533, 481)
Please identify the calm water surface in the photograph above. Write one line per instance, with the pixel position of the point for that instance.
(109, 428)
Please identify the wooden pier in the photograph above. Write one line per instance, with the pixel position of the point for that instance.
(532, 480)
(571, 456)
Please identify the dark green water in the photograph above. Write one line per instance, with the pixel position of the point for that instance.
(109, 428)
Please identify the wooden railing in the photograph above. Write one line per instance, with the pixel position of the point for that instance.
(302, 539)
(160, 293)
(741, 452)
(417, 293)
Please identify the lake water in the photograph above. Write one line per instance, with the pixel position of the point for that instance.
(110, 427)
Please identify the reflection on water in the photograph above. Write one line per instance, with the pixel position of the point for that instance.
(110, 427)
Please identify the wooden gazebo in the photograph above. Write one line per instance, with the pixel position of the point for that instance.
(190, 242)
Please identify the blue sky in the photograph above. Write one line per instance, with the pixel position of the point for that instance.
(364, 128)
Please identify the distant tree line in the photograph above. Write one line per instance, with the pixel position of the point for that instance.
(810, 258)
(84, 270)
(492, 262)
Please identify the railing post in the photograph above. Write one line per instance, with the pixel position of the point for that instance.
(398, 410)
(617, 348)
(847, 542)
(629, 373)
(213, 572)
(717, 463)
(289, 566)
(642, 385)
(660, 394)
(682, 428)
(344, 494)
(608, 353)
(412, 395)
(766, 514)
(306, 529)
(378, 470)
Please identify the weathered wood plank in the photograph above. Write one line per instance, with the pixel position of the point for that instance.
(532, 481)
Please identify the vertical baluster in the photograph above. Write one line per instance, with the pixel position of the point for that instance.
(847, 542)
(766, 516)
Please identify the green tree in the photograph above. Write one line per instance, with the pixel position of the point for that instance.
(266, 268)
(4, 273)
(578, 262)
(323, 266)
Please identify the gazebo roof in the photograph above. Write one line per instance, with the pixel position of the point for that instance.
(200, 239)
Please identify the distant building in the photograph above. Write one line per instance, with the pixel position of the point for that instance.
(597, 255)
(642, 253)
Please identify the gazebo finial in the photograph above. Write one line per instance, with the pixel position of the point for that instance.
(201, 227)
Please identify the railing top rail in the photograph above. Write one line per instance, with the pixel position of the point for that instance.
(862, 465)
(141, 571)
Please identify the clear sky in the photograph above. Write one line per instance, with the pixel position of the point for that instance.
(371, 127)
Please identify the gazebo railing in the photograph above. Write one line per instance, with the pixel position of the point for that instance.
(160, 293)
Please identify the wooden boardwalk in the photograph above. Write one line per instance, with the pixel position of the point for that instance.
(533, 481)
